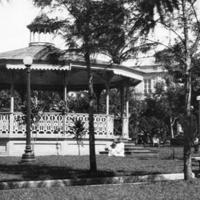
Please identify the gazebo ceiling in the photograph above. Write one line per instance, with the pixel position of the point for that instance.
(49, 72)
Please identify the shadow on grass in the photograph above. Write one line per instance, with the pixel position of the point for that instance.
(42, 172)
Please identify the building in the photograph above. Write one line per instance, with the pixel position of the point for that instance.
(68, 73)
(151, 74)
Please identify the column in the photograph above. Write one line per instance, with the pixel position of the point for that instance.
(122, 102)
(65, 98)
(12, 98)
(11, 104)
(126, 116)
(65, 94)
(107, 99)
(124, 111)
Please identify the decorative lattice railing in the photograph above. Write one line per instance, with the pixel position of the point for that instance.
(4, 124)
(54, 125)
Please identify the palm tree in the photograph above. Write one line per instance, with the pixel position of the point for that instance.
(90, 26)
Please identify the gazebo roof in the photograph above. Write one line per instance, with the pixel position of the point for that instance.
(39, 52)
(45, 58)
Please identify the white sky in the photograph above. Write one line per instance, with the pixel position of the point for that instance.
(14, 17)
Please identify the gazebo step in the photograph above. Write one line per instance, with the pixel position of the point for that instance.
(140, 152)
(134, 154)
(103, 152)
(133, 148)
(142, 155)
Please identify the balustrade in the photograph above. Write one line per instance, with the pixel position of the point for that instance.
(4, 124)
(54, 125)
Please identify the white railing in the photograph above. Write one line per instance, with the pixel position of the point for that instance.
(4, 124)
(54, 125)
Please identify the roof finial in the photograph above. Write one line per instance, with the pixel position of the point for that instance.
(42, 29)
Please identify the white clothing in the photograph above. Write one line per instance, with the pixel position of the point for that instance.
(118, 150)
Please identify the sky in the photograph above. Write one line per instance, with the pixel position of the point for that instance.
(14, 17)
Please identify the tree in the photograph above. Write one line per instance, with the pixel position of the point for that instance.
(78, 131)
(184, 47)
(90, 25)
(166, 103)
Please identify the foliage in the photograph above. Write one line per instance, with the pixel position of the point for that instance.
(136, 108)
(145, 15)
(36, 112)
(78, 103)
(152, 115)
(43, 21)
(153, 119)
(78, 130)
(5, 101)
(87, 32)
(183, 52)
(95, 24)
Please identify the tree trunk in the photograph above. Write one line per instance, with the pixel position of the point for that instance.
(187, 126)
(79, 149)
(93, 166)
(171, 127)
(187, 149)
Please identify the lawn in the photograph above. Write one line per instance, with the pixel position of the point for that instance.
(169, 160)
(64, 167)
(176, 190)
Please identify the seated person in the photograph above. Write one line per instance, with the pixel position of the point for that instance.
(116, 148)
(196, 145)
(156, 141)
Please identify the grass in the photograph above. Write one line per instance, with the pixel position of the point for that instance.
(56, 167)
(176, 190)
(64, 167)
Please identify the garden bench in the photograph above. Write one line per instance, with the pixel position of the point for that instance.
(196, 159)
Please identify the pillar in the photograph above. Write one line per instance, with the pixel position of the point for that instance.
(11, 104)
(107, 99)
(127, 101)
(12, 98)
(122, 102)
(65, 98)
(65, 93)
(124, 110)
(107, 77)
(126, 116)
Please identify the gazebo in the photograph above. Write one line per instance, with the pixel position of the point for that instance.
(50, 135)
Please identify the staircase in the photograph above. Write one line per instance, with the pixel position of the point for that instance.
(132, 150)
